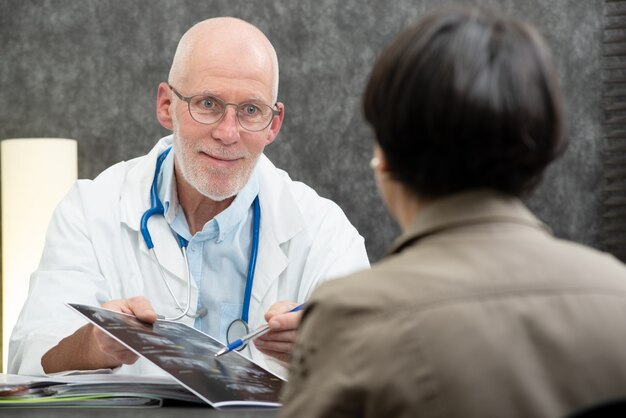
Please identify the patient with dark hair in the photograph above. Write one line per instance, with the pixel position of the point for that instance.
(477, 310)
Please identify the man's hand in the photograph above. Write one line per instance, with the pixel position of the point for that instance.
(279, 342)
(107, 345)
(90, 348)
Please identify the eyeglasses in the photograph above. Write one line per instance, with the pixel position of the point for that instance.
(252, 116)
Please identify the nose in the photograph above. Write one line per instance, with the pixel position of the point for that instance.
(227, 128)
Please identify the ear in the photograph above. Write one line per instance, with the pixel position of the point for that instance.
(164, 106)
(277, 122)
(381, 163)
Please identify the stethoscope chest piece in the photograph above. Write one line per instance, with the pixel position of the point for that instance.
(236, 330)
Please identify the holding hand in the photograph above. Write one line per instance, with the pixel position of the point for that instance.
(279, 341)
(138, 306)
(89, 348)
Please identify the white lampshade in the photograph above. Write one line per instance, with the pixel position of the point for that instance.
(36, 173)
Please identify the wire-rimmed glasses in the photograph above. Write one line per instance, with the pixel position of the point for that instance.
(252, 116)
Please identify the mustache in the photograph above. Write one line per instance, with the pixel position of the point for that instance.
(224, 153)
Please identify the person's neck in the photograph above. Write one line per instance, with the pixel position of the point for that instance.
(405, 206)
(198, 208)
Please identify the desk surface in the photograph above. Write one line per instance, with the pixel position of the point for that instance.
(186, 412)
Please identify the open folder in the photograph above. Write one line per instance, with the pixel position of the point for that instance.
(188, 356)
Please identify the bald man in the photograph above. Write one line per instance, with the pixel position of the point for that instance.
(196, 261)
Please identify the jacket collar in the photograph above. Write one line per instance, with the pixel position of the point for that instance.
(464, 209)
(135, 196)
(135, 200)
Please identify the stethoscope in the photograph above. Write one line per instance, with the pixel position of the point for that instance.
(237, 328)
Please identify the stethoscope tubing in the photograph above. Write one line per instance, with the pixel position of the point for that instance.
(156, 208)
(254, 250)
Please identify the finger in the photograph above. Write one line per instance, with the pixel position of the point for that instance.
(279, 308)
(142, 309)
(276, 346)
(112, 348)
(118, 305)
(106, 343)
(284, 336)
(126, 357)
(285, 322)
(139, 306)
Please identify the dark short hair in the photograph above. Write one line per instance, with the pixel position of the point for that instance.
(466, 100)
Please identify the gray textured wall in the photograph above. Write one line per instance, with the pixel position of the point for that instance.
(88, 70)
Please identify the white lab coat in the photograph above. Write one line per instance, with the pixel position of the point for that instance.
(94, 253)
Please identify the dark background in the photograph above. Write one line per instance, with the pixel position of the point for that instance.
(89, 69)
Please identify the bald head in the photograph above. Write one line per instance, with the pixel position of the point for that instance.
(228, 43)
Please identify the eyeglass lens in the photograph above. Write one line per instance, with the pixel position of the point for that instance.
(252, 116)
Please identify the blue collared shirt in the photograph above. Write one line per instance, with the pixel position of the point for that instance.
(218, 255)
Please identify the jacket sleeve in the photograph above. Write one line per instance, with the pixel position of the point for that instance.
(356, 359)
(322, 381)
(68, 272)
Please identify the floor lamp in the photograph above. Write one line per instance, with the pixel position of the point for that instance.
(35, 174)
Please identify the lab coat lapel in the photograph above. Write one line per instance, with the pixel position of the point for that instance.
(271, 262)
(166, 247)
(281, 220)
(135, 200)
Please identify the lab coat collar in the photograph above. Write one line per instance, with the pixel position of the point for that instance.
(467, 208)
(135, 200)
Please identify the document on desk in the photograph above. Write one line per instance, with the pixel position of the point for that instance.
(188, 355)
(109, 390)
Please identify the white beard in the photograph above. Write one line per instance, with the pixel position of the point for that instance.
(213, 183)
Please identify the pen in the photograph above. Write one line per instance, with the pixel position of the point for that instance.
(251, 336)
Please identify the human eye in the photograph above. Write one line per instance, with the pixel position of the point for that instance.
(207, 104)
(251, 109)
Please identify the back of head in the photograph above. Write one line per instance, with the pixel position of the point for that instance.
(465, 100)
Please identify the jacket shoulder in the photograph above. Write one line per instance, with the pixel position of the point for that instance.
(105, 190)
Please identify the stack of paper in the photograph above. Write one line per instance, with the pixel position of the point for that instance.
(91, 391)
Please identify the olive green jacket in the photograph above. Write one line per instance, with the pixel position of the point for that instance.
(477, 312)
